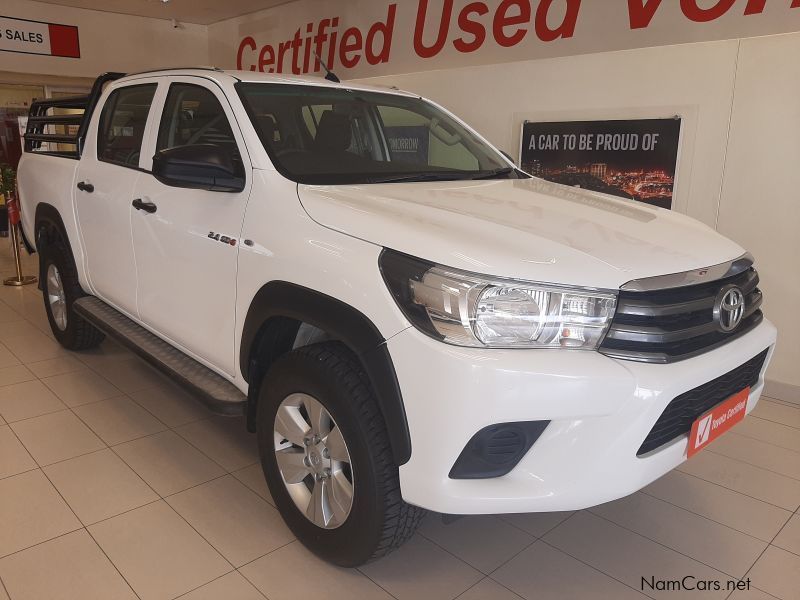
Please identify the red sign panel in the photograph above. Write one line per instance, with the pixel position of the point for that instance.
(64, 41)
(717, 421)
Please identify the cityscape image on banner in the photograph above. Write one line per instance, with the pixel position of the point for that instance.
(634, 159)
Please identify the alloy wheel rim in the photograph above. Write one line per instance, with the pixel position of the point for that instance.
(56, 297)
(313, 460)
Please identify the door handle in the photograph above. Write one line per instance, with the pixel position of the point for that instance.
(147, 207)
(85, 186)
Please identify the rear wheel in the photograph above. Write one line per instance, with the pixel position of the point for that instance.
(326, 456)
(60, 288)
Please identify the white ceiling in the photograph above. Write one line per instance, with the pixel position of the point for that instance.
(202, 12)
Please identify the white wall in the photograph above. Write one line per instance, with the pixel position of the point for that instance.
(760, 207)
(108, 42)
(692, 80)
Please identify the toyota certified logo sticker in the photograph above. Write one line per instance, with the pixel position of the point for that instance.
(729, 308)
(703, 431)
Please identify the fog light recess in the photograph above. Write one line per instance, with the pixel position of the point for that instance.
(496, 449)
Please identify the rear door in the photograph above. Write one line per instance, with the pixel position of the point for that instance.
(106, 176)
(187, 250)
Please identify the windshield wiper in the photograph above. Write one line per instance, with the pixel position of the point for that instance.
(496, 173)
(444, 176)
(417, 177)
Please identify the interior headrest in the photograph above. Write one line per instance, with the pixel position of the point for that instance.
(334, 133)
(268, 126)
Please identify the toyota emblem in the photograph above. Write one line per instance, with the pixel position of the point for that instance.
(729, 308)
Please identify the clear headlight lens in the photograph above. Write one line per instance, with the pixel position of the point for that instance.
(473, 310)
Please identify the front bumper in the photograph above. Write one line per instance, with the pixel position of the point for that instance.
(601, 409)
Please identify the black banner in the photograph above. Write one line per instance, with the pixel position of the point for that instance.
(633, 159)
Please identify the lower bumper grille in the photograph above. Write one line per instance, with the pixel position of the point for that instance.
(677, 418)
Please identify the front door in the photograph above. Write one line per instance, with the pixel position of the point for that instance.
(187, 250)
(106, 177)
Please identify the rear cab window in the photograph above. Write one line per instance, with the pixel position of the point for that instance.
(122, 124)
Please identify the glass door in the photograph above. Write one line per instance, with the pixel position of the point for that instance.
(15, 102)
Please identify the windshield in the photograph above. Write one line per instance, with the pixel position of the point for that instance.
(323, 135)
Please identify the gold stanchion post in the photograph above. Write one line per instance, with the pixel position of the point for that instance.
(13, 226)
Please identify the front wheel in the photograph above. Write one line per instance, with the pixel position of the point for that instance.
(326, 456)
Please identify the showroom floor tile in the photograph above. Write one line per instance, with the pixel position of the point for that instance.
(789, 537)
(291, 572)
(114, 483)
(714, 502)
(783, 436)
(158, 552)
(80, 387)
(13, 456)
(118, 420)
(544, 572)
(168, 463)
(232, 586)
(56, 436)
(99, 485)
(704, 540)
(26, 400)
(7, 358)
(234, 519)
(77, 570)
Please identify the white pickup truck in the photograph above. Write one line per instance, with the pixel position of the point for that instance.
(406, 326)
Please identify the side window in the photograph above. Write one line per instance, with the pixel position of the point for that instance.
(122, 124)
(193, 115)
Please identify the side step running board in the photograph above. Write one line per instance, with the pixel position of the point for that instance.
(220, 395)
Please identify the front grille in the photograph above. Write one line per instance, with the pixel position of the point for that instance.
(677, 418)
(668, 325)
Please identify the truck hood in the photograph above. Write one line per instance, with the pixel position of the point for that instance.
(527, 229)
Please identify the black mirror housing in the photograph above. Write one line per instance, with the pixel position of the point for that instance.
(199, 166)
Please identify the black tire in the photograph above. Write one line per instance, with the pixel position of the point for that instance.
(78, 334)
(379, 520)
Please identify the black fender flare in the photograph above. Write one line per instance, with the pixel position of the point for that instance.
(271, 325)
(48, 214)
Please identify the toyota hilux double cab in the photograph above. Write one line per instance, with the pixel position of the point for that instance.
(407, 320)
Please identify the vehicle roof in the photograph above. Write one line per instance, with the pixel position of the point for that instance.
(232, 76)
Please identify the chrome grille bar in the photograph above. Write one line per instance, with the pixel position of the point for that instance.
(668, 324)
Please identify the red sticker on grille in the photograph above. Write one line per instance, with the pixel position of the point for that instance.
(717, 421)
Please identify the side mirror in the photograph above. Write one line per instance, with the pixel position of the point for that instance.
(200, 166)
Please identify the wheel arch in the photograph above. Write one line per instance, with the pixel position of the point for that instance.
(271, 326)
(47, 219)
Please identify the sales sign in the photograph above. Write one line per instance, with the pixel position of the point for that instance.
(37, 37)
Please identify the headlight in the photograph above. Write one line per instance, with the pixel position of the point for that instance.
(466, 309)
